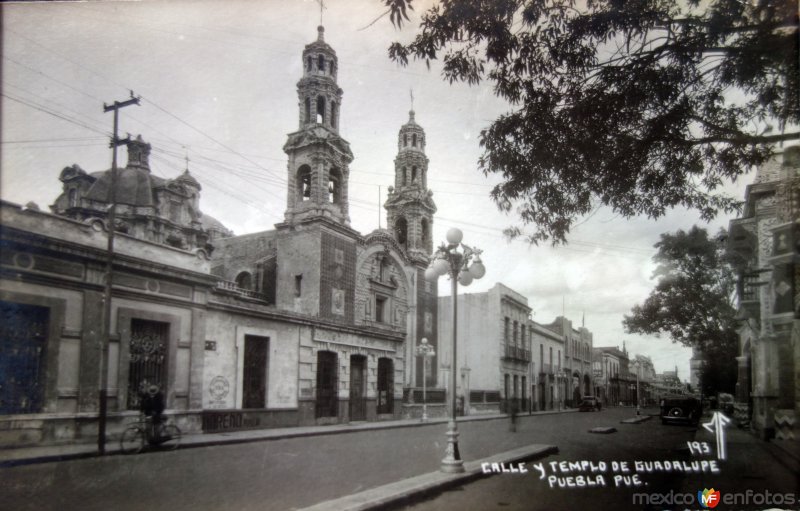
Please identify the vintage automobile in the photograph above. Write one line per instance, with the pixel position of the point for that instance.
(589, 404)
(686, 409)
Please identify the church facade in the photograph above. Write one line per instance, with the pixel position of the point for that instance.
(310, 322)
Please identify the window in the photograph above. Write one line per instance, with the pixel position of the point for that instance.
(334, 114)
(304, 183)
(321, 63)
(334, 186)
(505, 387)
(73, 197)
(516, 328)
(414, 140)
(551, 355)
(401, 231)
(148, 358)
(559, 360)
(405, 140)
(380, 308)
(541, 355)
(308, 110)
(298, 285)
(23, 344)
(425, 232)
(308, 63)
(383, 269)
(413, 174)
(405, 177)
(320, 110)
(244, 281)
(506, 328)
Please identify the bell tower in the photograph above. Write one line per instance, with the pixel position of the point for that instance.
(410, 207)
(319, 158)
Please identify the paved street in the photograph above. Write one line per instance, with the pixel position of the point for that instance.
(299, 472)
(749, 467)
(279, 474)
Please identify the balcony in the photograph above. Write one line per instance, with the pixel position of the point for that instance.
(517, 353)
(231, 288)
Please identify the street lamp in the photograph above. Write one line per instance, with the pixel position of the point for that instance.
(425, 351)
(449, 260)
(636, 367)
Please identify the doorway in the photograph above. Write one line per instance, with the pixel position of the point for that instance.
(254, 375)
(358, 408)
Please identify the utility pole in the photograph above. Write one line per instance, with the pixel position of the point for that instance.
(104, 341)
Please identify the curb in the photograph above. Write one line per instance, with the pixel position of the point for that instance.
(414, 488)
(214, 439)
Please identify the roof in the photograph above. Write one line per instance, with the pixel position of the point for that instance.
(134, 187)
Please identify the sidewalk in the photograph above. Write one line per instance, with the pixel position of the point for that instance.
(27, 455)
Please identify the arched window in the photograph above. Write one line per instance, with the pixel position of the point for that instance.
(401, 231)
(304, 183)
(405, 171)
(334, 186)
(308, 110)
(320, 110)
(332, 65)
(308, 63)
(244, 280)
(321, 63)
(425, 232)
(334, 114)
(405, 140)
(414, 140)
(414, 174)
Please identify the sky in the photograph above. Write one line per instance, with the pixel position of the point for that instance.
(218, 85)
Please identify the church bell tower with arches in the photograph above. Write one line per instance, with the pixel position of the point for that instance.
(319, 157)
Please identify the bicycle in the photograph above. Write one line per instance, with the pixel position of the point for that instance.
(144, 433)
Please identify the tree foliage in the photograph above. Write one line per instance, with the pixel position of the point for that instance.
(692, 302)
(641, 106)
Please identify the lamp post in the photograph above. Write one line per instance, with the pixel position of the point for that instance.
(636, 368)
(449, 260)
(426, 351)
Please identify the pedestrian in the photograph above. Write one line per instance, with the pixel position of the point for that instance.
(152, 406)
(513, 426)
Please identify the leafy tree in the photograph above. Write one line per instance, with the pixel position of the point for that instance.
(693, 303)
(637, 105)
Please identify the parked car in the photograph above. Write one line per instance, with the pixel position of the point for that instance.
(589, 404)
(686, 409)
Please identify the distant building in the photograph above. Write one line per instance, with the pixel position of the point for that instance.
(506, 359)
(494, 349)
(615, 385)
(577, 360)
(765, 241)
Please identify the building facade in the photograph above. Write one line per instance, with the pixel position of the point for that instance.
(307, 323)
(577, 360)
(764, 243)
(493, 349)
